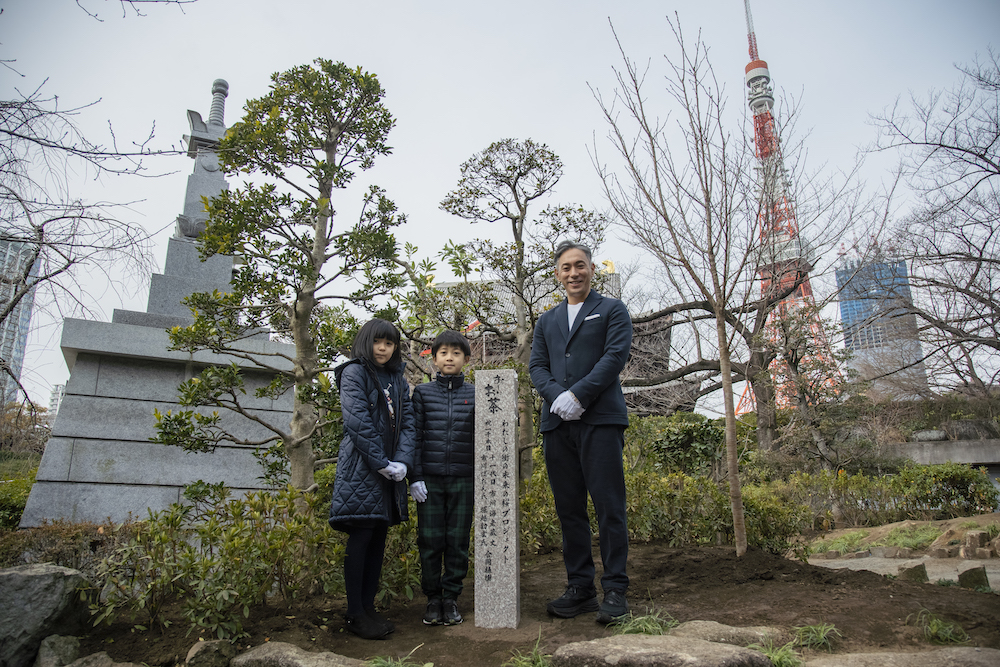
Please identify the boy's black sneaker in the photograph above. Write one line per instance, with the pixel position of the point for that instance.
(575, 601)
(449, 612)
(365, 627)
(433, 614)
(614, 609)
(381, 620)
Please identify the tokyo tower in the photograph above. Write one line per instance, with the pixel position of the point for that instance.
(785, 259)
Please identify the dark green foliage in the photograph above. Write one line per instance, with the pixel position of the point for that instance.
(13, 497)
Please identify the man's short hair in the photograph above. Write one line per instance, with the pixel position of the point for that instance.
(449, 337)
(572, 245)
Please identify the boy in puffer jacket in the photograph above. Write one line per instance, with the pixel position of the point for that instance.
(442, 482)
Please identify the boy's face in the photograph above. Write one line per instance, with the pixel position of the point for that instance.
(450, 359)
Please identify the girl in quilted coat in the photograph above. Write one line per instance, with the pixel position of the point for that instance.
(369, 493)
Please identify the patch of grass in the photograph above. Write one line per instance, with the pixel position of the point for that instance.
(649, 624)
(381, 661)
(992, 530)
(937, 630)
(947, 583)
(910, 537)
(846, 543)
(983, 589)
(819, 636)
(533, 658)
(969, 525)
(780, 656)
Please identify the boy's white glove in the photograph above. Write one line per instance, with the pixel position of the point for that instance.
(566, 407)
(395, 471)
(419, 491)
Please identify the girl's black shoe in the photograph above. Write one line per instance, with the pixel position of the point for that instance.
(381, 620)
(365, 627)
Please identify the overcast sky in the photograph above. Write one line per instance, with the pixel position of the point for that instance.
(458, 76)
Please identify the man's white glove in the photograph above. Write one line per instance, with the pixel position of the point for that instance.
(395, 471)
(419, 491)
(566, 407)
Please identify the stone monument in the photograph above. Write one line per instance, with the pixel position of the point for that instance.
(99, 462)
(498, 563)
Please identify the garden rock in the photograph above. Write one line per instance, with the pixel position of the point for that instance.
(57, 651)
(54, 607)
(710, 631)
(658, 651)
(930, 435)
(210, 654)
(280, 654)
(974, 577)
(964, 656)
(101, 659)
(917, 573)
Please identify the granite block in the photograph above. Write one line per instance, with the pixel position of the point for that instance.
(55, 464)
(497, 568)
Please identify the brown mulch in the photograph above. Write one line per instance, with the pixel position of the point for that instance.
(692, 583)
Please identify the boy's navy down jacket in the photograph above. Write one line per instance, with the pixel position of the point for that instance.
(444, 411)
(360, 493)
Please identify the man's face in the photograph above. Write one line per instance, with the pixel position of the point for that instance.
(450, 359)
(575, 272)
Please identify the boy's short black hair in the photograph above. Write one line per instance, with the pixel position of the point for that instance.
(365, 341)
(449, 337)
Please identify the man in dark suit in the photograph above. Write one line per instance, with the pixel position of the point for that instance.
(578, 350)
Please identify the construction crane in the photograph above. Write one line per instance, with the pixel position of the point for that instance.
(785, 259)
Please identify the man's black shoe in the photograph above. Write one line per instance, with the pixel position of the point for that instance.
(575, 601)
(365, 627)
(433, 614)
(449, 612)
(614, 609)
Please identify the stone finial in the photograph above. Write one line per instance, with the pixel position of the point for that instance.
(220, 91)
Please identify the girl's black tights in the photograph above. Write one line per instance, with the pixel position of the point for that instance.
(363, 566)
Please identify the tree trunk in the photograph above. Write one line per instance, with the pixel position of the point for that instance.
(732, 451)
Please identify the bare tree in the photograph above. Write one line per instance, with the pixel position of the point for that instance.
(949, 144)
(57, 242)
(688, 194)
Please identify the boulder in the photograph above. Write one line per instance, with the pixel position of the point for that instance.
(101, 659)
(655, 651)
(917, 573)
(974, 577)
(971, 429)
(57, 651)
(976, 539)
(963, 656)
(39, 600)
(710, 631)
(215, 653)
(281, 654)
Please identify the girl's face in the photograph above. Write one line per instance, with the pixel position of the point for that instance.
(382, 350)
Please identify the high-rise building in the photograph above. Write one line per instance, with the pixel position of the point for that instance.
(879, 325)
(17, 266)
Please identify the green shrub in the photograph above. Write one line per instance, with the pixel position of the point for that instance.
(684, 442)
(946, 491)
(819, 636)
(772, 522)
(219, 556)
(13, 497)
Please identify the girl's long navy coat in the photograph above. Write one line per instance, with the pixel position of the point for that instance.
(360, 494)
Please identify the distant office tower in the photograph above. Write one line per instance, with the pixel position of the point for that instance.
(15, 269)
(55, 400)
(875, 304)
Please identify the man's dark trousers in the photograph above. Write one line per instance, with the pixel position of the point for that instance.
(582, 456)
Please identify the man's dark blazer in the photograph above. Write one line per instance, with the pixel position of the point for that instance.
(586, 360)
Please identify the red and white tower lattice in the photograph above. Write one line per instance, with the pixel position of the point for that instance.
(785, 259)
